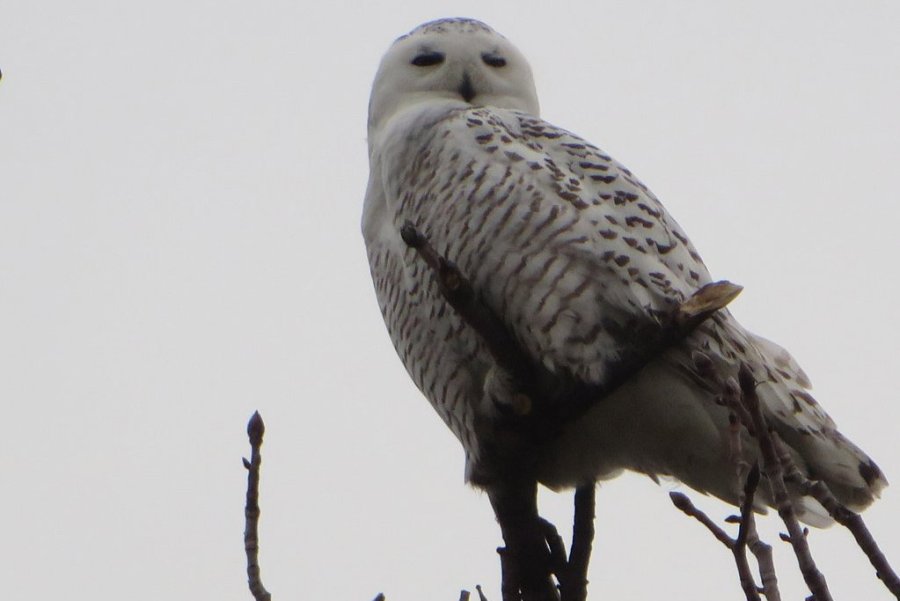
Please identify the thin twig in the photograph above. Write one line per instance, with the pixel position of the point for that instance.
(736, 546)
(558, 560)
(573, 587)
(255, 431)
(748, 533)
(842, 515)
(464, 595)
(527, 573)
(481, 596)
(509, 577)
(739, 548)
(766, 562)
(459, 293)
(682, 502)
(814, 579)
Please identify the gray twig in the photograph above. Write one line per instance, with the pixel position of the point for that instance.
(682, 502)
(739, 548)
(842, 515)
(573, 586)
(766, 562)
(815, 580)
(255, 431)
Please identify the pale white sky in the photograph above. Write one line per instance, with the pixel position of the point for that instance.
(180, 191)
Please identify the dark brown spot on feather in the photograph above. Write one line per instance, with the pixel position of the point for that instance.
(634, 220)
(606, 179)
(660, 248)
(806, 397)
(650, 211)
(870, 472)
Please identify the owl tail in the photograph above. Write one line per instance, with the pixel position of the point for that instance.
(818, 449)
(669, 420)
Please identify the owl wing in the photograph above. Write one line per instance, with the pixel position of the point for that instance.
(563, 242)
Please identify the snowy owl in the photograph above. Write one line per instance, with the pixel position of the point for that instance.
(578, 258)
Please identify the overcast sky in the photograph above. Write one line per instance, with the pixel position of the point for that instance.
(180, 193)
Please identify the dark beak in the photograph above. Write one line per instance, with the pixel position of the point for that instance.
(465, 88)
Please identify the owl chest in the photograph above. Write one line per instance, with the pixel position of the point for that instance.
(443, 356)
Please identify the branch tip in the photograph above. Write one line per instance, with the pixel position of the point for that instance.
(680, 500)
(481, 596)
(411, 235)
(256, 429)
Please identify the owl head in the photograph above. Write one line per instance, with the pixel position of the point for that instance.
(459, 61)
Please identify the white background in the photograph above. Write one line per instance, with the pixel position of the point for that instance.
(180, 191)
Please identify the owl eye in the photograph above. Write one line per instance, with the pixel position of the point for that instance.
(428, 59)
(493, 60)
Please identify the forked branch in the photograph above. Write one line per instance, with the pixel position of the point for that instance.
(774, 472)
(746, 530)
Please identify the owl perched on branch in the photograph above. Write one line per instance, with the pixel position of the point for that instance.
(580, 262)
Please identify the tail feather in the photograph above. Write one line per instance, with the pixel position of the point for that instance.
(668, 421)
(818, 447)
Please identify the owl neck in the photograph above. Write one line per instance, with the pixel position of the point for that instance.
(409, 119)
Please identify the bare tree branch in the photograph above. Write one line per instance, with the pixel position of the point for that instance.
(255, 431)
(842, 515)
(573, 587)
(527, 573)
(558, 560)
(739, 548)
(738, 418)
(815, 580)
(766, 563)
(682, 502)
